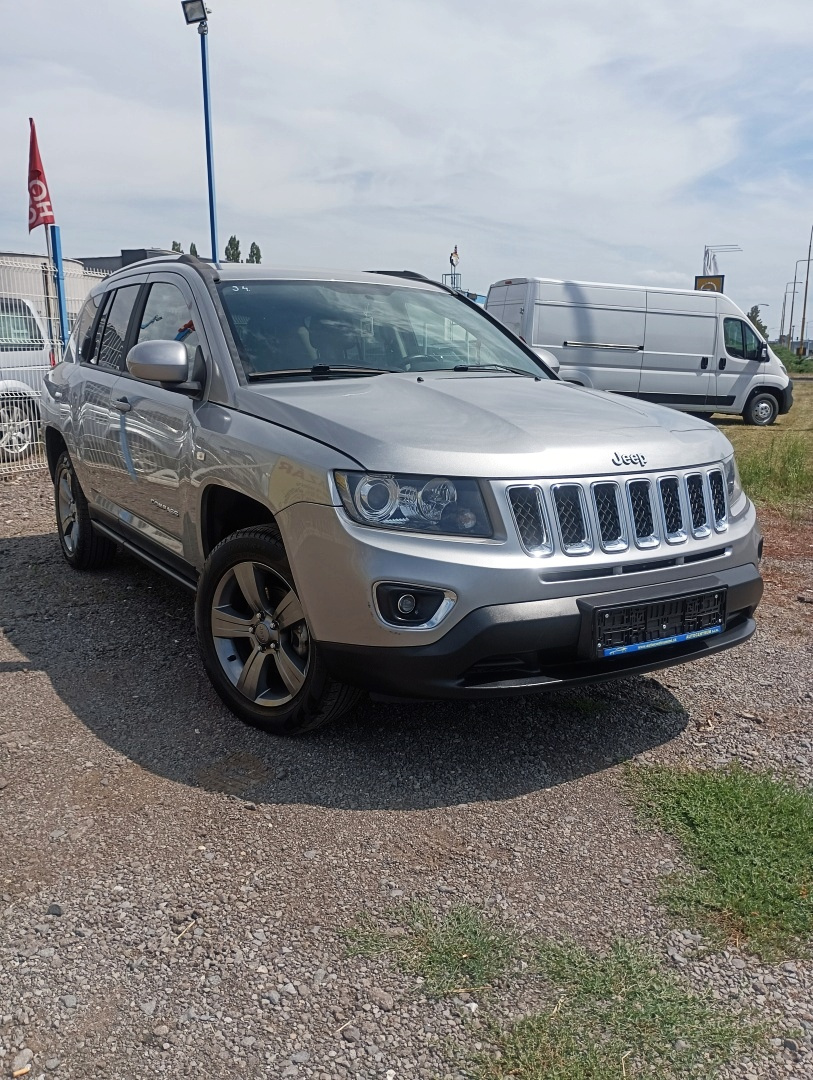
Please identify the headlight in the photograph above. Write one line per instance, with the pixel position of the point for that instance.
(732, 480)
(431, 504)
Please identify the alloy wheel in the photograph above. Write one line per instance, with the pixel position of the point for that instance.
(17, 430)
(260, 634)
(67, 511)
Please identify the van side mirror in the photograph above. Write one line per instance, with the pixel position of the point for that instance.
(763, 354)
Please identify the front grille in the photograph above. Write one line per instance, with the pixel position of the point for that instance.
(567, 499)
(697, 503)
(672, 510)
(718, 506)
(526, 505)
(608, 515)
(612, 513)
(641, 504)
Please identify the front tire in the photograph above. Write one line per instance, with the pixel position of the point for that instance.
(761, 410)
(82, 546)
(255, 641)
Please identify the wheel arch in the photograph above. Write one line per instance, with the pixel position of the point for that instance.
(54, 445)
(224, 511)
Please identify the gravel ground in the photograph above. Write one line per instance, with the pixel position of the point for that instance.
(174, 884)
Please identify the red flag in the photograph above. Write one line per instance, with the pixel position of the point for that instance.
(39, 199)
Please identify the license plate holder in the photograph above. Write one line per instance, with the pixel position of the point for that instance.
(622, 629)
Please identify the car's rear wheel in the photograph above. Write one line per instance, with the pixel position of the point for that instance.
(761, 410)
(82, 546)
(18, 427)
(255, 639)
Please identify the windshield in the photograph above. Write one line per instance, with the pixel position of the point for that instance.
(292, 326)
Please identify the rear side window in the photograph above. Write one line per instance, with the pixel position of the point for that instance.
(18, 327)
(168, 317)
(80, 342)
(109, 352)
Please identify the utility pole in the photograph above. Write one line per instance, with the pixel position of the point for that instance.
(784, 304)
(807, 279)
(793, 301)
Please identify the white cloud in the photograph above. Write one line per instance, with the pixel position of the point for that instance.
(598, 141)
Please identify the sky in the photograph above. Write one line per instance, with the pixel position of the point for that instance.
(592, 141)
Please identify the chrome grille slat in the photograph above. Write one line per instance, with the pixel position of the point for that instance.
(643, 518)
(531, 521)
(609, 516)
(698, 510)
(571, 513)
(718, 500)
(672, 509)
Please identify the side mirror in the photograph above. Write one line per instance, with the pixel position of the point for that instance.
(763, 352)
(159, 361)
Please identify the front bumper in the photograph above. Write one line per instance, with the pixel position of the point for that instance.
(521, 648)
(786, 398)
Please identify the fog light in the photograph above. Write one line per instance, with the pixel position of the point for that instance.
(415, 606)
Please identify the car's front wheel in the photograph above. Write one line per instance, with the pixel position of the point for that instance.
(255, 639)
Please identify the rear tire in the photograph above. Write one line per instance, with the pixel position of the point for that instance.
(82, 546)
(255, 641)
(761, 410)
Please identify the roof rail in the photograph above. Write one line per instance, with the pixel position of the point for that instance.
(412, 275)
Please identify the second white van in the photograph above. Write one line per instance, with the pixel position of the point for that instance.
(694, 351)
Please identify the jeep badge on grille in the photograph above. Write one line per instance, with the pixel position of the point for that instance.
(628, 459)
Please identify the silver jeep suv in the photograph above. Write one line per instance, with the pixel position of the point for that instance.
(371, 484)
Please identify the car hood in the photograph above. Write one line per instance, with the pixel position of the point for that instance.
(494, 426)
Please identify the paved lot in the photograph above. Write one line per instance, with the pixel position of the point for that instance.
(203, 871)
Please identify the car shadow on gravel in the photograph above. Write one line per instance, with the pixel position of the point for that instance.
(118, 647)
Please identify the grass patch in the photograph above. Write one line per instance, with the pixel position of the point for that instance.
(618, 1015)
(751, 841)
(456, 951)
(779, 471)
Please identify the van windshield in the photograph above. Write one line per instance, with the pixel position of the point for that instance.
(291, 327)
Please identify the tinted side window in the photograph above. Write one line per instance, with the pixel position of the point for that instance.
(733, 338)
(18, 327)
(168, 317)
(111, 347)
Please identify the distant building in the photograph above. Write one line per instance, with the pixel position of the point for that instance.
(106, 264)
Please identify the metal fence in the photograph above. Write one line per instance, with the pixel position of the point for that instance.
(30, 344)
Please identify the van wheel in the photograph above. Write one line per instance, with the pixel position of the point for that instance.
(19, 420)
(82, 546)
(761, 410)
(255, 641)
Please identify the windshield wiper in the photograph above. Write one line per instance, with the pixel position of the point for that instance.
(494, 367)
(318, 371)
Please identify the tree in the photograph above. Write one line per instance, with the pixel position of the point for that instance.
(193, 250)
(233, 250)
(254, 254)
(756, 319)
(176, 246)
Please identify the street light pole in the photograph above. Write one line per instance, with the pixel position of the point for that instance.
(793, 301)
(784, 303)
(195, 13)
(807, 279)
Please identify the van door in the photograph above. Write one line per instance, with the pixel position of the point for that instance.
(596, 333)
(514, 310)
(678, 367)
(738, 364)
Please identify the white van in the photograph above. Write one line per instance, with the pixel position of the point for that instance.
(694, 351)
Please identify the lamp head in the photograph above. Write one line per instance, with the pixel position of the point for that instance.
(194, 11)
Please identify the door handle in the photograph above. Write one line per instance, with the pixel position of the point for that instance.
(122, 404)
(722, 363)
(704, 362)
